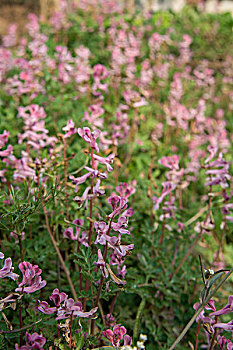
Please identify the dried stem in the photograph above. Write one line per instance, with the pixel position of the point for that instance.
(20, 329)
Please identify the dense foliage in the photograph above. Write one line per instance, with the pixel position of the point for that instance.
(115, 174)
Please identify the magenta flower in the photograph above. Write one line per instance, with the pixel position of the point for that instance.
(58, 297)
(101, 264)
(45, 308)
(222, 341)
(64, 307)
(7, 269)
(32, 280)
(226, 326)
(90, 137)
(118, 204)
(69, 129)
(69, 232)
(126, 190)
(127, 340)
(115, 335)
(226, 310)
(34, 342)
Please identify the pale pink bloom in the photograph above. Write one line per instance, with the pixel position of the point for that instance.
(106, 161)
(168, 187)
(90, 137)
(126, 190)
(101, 264)
(4, 138)
(171, 162)
(69, 307)
(34, 342)
(7, 152)
(7, 269)
(11, 37)
(226, 310)
(79, 180)
(45, 308)
(118, 204)
(69, 232)
(69, 129)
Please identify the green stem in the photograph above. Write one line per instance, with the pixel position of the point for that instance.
(138, 317)
(197, 313)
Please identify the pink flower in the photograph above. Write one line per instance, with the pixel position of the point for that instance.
(7, 152)
(32, 280)
(226, 310)
(101, 229)
(101, 264)
(171, 162)
(168, 187)
(69, 129)
(45, 308)
(75, 308)
(106, 161)
(115, 335)
(126, 190)
(121, 225)
(4, 138)
(90, 137)
(58, 297)
(79, 180)
(68, 233)
(226, 326)
(11, 37)
(100, 72)
(34, 342)
(118, 204)
(7, 269)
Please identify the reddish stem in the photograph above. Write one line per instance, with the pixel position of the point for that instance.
(91, 202)
(65, 178)
(197, 334)
(101, 280)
